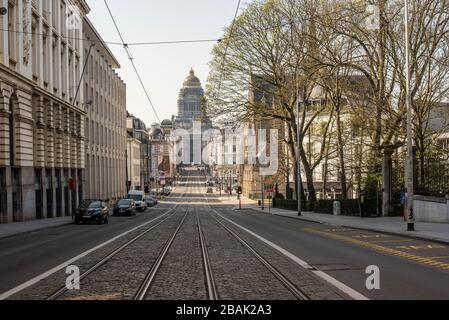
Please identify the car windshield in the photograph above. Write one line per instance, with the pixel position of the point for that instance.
(95, 205)
(136, 197)
(124, 202)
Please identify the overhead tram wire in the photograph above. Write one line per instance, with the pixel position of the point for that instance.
(227, 47)
(145, 43)
(130, 57)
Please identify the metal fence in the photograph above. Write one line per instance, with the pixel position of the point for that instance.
(398, 186)
(432, 177)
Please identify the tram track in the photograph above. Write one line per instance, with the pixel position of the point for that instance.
(289, 285)
(165, 217)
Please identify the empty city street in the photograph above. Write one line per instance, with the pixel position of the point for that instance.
(196, 246)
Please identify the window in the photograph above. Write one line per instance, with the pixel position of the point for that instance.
(35, 48)
(54, 13)
(63, 70)
(12, 35)
(45, 56)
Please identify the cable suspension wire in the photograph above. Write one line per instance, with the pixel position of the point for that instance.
(227, 47)
(130, 57)
(147, 43)
(172, 42)
(62, 36)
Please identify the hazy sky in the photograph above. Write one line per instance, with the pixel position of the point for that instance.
(162, 67)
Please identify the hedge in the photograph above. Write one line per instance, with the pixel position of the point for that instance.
(348, 207)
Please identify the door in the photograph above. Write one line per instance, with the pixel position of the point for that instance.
(39, 194)
(16, 194)
(49, 187)
(3, 200)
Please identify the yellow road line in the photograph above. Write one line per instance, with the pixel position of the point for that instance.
(391, 241)
(382, 249)
(443, 257)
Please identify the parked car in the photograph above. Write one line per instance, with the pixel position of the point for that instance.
(138, 197)
(165, 192)
(210, 190)
(155, 199)
(92, 211)
(125, 207)
(150, 201)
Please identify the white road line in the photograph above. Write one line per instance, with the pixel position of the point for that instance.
(341, 286)
(63, 265)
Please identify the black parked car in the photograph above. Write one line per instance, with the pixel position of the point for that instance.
(125, 206)
(92, 211)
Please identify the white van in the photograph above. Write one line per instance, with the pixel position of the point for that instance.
(139, 199)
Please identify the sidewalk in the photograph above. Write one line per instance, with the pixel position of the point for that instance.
(13, 229)
(393, 225)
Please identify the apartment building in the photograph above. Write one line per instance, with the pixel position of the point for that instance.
(41, 114)
(138, 130)
(106, 116)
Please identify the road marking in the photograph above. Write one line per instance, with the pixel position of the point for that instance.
(392, 241)
(422, 247)
(341, 286)
(443, 257)
(63, 265)
(382, 249)
(339, 230)
(370, 236)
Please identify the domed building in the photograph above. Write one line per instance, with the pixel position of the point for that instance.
(190, 111)
(189, 102)
(167, 127)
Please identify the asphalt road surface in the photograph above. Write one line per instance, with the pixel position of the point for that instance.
(409, 269)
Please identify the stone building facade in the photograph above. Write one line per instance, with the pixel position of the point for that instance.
(105, 130)
(133, 161)
(41, 117)
(138, 130)
(190, 112)
(162, 168)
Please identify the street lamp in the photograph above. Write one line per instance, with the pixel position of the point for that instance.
(409, 162)
(298, 153)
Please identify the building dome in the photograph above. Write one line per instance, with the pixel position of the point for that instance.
(156, 133)
(192, 80)
(166, 123)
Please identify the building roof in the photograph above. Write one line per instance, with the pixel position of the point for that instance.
(192, 80)
(156, 133)
(166, 122)
(92, 34)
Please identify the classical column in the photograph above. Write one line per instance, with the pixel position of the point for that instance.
(39, 153)
(49, 135)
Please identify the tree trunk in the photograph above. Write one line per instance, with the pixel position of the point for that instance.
(341, 156)
(309, 176)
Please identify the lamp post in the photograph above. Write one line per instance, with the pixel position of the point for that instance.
(298, 153)
(409, 162)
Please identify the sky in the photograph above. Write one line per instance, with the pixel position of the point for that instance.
(163, 68)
